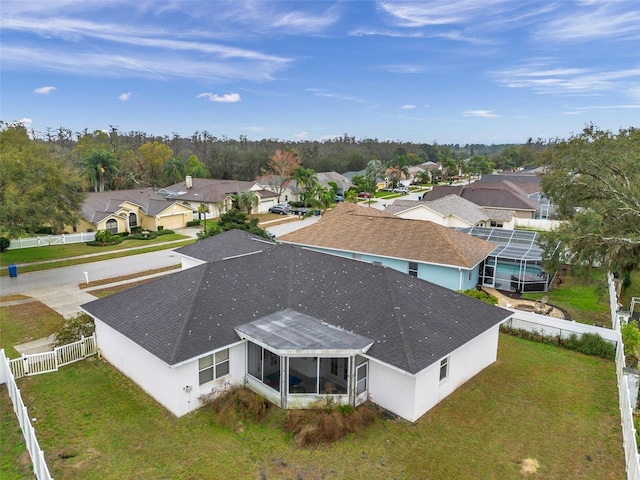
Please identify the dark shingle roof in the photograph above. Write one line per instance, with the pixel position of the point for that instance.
(413, 323)
(229, 244)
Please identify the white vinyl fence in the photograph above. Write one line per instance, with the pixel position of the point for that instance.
(46, 240)
(33, 365)
(554, 327)
(50, 361)
(40, 468)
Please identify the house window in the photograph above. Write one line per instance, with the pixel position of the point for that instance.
(112, 226)
(444, 368)
(213, 366)
(413, 269)
(318, 375)
(496, 224)
(263, 365)
(357, 256)
(470, 272)
(133, 220)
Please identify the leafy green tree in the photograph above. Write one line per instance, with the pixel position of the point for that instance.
(37, 186)
(152, 157)
(594, 180)
(234, 220)
(196, 168)
(99, 165)
(174, 170)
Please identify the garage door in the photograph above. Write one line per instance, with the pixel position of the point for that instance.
(172, 222)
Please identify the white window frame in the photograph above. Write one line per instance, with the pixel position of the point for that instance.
(444, 369)
(217, 362)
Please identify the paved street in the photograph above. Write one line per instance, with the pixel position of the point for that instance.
(26, 282)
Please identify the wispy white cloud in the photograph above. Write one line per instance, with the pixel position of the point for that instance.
(157, 64)
(225, 98)
(405, 68)
(610, 20)
(301, 135)
(25, 121)
(306, 22)
(543, 78)
(348, 98)
(123, 97)
(479, 113)
(364, 32)
(44, 90)
(408, 107)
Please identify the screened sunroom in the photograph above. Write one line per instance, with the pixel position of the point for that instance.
(296, 361)
(515, 265)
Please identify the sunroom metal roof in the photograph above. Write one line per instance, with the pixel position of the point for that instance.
(288, 332)
(510, 244)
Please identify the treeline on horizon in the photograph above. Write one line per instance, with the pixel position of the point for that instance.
(141, 158)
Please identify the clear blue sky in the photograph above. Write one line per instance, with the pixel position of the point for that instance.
(467, 71)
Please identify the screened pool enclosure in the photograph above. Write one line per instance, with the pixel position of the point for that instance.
(515, 265)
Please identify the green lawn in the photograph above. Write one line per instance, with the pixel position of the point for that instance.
(578, 296)
(26, 322)
(537, 402)
(105, 253)
(53, 252)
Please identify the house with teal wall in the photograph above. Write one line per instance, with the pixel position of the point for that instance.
(422, 249)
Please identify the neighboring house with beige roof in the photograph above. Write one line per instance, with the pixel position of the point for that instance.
(490, 196)
(422, 249)
(121, 210)
(216, 194)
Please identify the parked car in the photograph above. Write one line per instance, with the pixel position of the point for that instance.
(364, 195)
(338, 199)
(299, 210)
(281, 209)
(401, 190)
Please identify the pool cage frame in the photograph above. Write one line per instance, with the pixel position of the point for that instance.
(516, 264)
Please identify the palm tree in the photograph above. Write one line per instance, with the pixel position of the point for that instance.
(173, 170)
(248, 199)
(99, 164)
(393, 174)
(307, 180)
(374, 170)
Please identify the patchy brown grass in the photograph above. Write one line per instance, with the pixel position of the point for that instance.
(13, 298)
(235, 404)
(107, 281)
(313, 427)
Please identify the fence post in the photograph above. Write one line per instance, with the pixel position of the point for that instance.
(25, 364)
(83, 347)
(63, 239)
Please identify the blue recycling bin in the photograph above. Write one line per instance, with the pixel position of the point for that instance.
(318, 212)
(13, 270)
